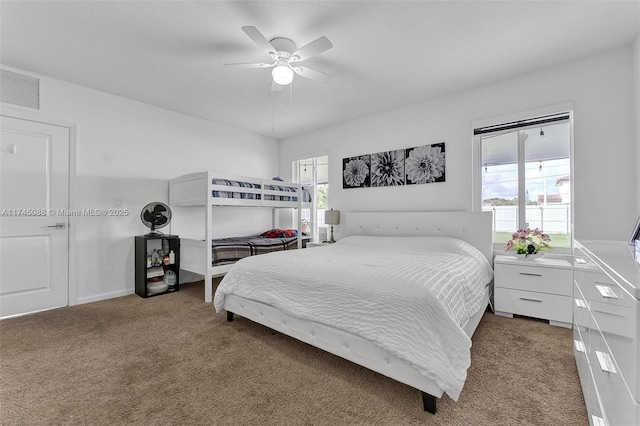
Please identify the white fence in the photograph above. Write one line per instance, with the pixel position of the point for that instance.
(552, 219)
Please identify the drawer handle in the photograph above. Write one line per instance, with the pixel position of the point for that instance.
(532, 275)
(606, 292)
(606, 363)
(580, 303)
(530, 300)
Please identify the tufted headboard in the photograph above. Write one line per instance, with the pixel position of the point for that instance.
(472, 227)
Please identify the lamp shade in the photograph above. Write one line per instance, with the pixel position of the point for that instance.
(332, 217)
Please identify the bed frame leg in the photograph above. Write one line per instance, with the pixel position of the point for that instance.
(229, 316)
(429, 402)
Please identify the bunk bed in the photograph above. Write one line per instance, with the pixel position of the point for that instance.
(211, 189)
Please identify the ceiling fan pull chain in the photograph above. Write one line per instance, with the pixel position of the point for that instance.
(291, 96)
(273, 112)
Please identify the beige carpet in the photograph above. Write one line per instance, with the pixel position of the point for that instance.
(172, 360)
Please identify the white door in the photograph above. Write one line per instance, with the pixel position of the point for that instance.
(34, 198)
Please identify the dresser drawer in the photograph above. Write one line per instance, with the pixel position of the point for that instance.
(534, 278)
(539, 305)
(592, 401)
(615, 313)
(617, 403)
(581, 313)
(619, 329)
(600, 287)
(580, 354)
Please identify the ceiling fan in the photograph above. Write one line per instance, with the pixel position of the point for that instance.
(286, 57)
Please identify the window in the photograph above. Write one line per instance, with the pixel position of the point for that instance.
(313, 174)
(525, 177)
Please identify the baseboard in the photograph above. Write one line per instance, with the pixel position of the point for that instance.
(80, 301)
(29, 313)
(104, 296)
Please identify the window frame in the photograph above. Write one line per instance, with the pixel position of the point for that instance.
(477, 166)
(295, 173)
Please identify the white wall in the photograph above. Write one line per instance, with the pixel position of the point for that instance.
(605, 183)
(128, 150)
(636, 91)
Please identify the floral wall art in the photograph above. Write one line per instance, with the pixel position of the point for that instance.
(387, 168)
(356, 172)
(421, 164)
(425, 164)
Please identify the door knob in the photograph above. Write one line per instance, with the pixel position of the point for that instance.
(59, 225)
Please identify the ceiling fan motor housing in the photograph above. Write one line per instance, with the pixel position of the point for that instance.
(284, 47)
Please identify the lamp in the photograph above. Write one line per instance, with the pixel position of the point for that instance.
(282, 73)
(332, 217)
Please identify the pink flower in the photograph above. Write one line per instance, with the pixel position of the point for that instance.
(525, 237)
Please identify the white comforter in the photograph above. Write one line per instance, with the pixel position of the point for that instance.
(408, 295)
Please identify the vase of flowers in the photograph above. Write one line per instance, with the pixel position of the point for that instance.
(527, 243)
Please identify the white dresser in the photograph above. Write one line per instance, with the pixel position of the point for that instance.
(606, 331)
(539, 288)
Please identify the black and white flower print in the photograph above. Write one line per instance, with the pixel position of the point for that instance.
(387, 168)
(356, 171)
(425, 164)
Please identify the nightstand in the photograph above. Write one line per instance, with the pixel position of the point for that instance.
(539, 288)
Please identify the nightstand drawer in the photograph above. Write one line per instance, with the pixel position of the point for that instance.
(539, 305)
(534, 278)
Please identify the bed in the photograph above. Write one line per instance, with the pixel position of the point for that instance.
(226, 251)
(370, 299)
(207, 190)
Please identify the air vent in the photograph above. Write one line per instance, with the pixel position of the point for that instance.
(19, 89)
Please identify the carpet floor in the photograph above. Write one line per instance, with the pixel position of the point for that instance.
(171, 360)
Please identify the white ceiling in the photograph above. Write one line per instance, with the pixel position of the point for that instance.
(386, 54)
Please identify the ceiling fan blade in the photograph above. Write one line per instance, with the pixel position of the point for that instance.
(254, 65)
(312, 74)
(275, 87)
(261, 41)
(312, 49)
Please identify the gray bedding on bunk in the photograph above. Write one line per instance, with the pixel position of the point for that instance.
(230, 250)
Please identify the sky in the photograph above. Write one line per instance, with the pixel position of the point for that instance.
(501, 181)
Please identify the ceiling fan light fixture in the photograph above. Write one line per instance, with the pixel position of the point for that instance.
(286, 56)
(282, 74)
